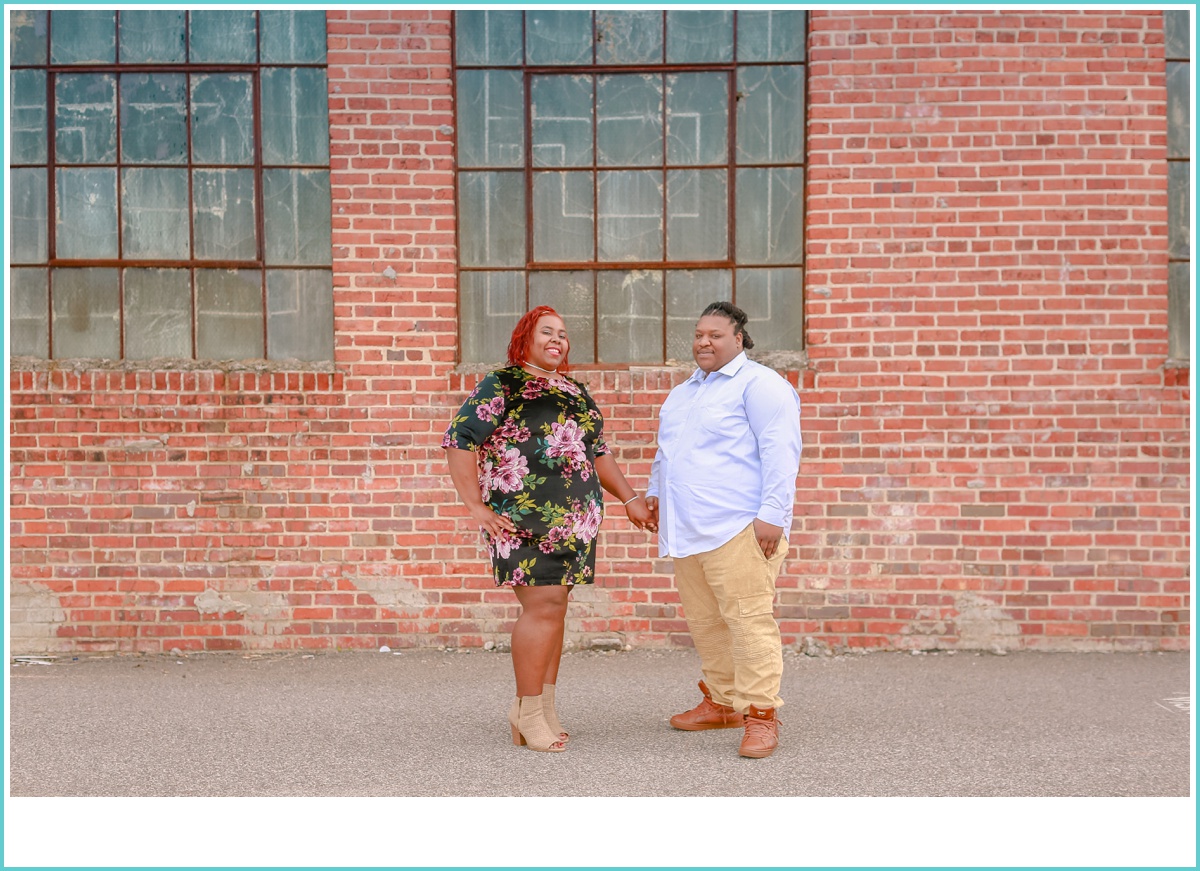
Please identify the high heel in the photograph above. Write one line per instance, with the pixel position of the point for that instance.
(528, 726)
(556, 727)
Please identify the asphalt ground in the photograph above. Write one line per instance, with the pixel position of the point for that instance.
(425, 724)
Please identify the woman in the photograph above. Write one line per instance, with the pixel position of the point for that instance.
(527, 457)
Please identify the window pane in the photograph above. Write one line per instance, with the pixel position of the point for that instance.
(629, 120)
(1179, 195)
(222, 119)
(1179, 315)
(490, 304)
(29, 312)
(299, 314)
(1176, 27)
(770, 36)
(697, 118)
(491, 218)
(154, 214)
(770, 216)
(631, 215)
(770, 119)
(83, 36)
(561, 119)
(488, 37)
(86, 313)
(697, 214)
(152, 36)
(224, 214)
(689, 291)
(773, 300)
(298, 216)
(563, 216)
(629, 37)
(558, 37)
(293, 36)
(1179, 109)
(153, 118)
(28, 224)
(222, 36)
(85, 123)
(295, 116)
(229, 314)
(27, 115)
(86, 223)
(572, 295)
(631, 314)
(699, 37)
(491, 109)
(158, 313)
(27, 36)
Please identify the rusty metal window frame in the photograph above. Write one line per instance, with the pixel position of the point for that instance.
(731, 165)
(1176, 23)
(254, 69)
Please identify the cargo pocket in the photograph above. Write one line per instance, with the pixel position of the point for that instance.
(756, 605)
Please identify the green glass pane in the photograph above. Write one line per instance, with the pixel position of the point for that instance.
(222, 119)
(631, 312)
(699, 37)
(85, 118)
(83, 36)
(572, 295)
(1179, 109)
(154, 214)
(224, 214)
(770, 37)
(86, 311)
(1179, 197)
(222, 36)
(631, 215)
(491, 218)
(229, 314)
(489, 305)
(29, 312)
(770, 114)
(153, 118)
(295, 116)
(491, 118)
(629, 36)
(689, 291)
(488, 38)
(773, 300)
(292, 36)
(697, 118)
(560, 110)
(150, 36)
(697, 214)
(299, 314)
(1177, 28)
(27, 36)
(28, 228)
(554, 37)
(563, 217)
(297, 213)
(86, 213)
(770, 216)
(27, 115)
(158, 314)
(629, 120)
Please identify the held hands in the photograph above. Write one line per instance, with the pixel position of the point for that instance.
(491, 522)
(768, 536)
(641, 515)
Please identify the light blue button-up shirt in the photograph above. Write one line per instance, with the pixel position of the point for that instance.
(728, 452)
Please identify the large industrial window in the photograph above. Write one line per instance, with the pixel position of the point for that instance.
(1179, 193)
(629, 167)
(170, 189)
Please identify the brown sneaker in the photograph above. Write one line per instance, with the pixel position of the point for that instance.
(707, 715)
(762, 733)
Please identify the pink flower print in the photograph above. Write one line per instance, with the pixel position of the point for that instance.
(518, 577)
(566, 440)
(508, 476)
(491, 410)
(502, 545)
(554, 535)
(586, 523)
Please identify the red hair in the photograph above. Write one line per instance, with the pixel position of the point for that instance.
(522, 337)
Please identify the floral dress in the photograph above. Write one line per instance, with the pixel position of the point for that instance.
(536, 444)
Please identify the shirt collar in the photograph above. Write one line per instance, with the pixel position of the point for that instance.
(729, 369)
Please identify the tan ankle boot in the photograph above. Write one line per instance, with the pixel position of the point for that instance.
(529, 726)
(551, 716)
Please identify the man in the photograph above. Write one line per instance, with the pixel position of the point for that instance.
(721, 491)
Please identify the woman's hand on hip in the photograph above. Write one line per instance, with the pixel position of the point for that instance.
(492, 523)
